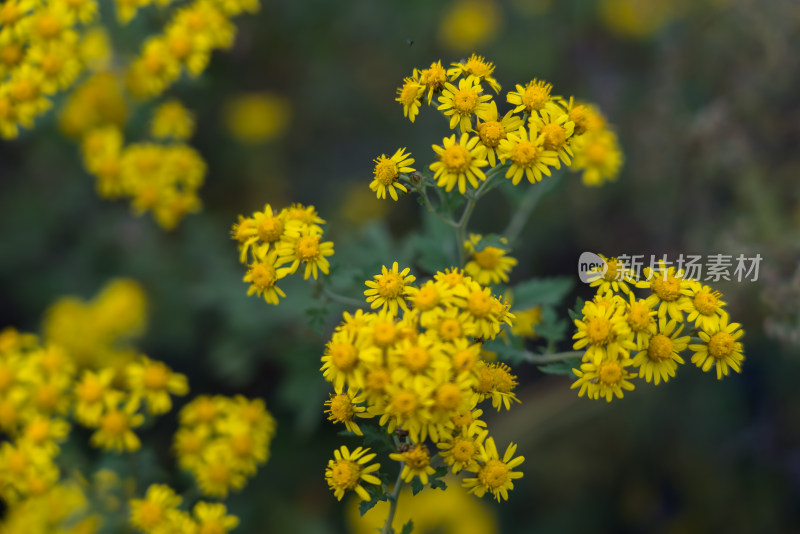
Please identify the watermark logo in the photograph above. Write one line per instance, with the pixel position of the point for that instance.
(590, 265)
(710, 268)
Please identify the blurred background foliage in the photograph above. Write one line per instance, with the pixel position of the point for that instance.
(704, 96)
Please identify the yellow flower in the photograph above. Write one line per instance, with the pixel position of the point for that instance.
(604, 330)
(463, 102)
(668, 289)
(410, 94)
(525, 324)
(155, 381)
(496, 475)
(598, 155)
(616, 278)
(212, 518)
(115, 428)
(720, 348)
(347, 470)
(305, 247)
(387, 172)
(605, 379)
(527, 157)
(254, 118)
(705, 306)
(475, 67)
(215, 473)
(344, 407)
(172, 121)
(416, 463)
(461, 450)
(467, 24)
(344, 358)
(458, 162)
(532, 98)
(152, 512)
(554, 132)
(389, 289)
(660, 356)
(263, 275)
(489, 265)
(492, 130)
(433, 78)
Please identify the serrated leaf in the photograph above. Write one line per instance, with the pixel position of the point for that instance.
(541, 292)
(576, 313)
(436, 481)
(376, 435)
(408, 527)
(551, 327)
(416, 486)
(377, 494)
(316, 319)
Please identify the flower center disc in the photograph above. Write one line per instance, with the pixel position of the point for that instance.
(456, 158)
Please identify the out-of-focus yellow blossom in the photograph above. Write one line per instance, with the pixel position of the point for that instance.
(255, 118)
(97, 102)
(155, 511)
(448, 512)
(222, 441)
(154, 381)
(468, 24)
(635, 19)
(172, 121)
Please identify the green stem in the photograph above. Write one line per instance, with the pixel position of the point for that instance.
(552, 358)
(342, 299)
(387, 527)
(522, 214)
(423, 190)
(472, 200)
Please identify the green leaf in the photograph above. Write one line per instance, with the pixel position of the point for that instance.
(408, 527)
(541, 292)
(576, 313)
(416, 485)
(436, 479)
(316, 319)
(377, 494)
(551, 327)
(377, 435)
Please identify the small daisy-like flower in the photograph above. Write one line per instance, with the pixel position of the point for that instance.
(579, 114)
(496, 475)
(155, 381)
(347, 470)
(459, 162)
(152, 512)
(503, 385)
(344, 407)
(461, 450)
(489, 265)
(475, 67)
(172, 121)
(90, 391)
(614, 280)
(305, 247)
(525, 324)
(389, 289)
(640, 317)
(554, 132)
(408, 406)
(417, 463)
(527, 157)
(215, 473)
(668, 290)
(492, 130)
(720, 348)
(433, 78)
(388, 170)
(660, 356)
(115, 430)
(344, 358)
(532, 98)
(263, 276)
(213, 518)
(604, 331)
(409, 94)
(705, 306)
(605, 379)
(598, 155)
(463, 102)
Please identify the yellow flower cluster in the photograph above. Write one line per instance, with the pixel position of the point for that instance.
(625, 336)
(158, 513)
(162, 178)
(539, 133)
(222, 441)
(269, 239)
(420, 372)
(192, 34)
(43, 50)
(62, 509)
